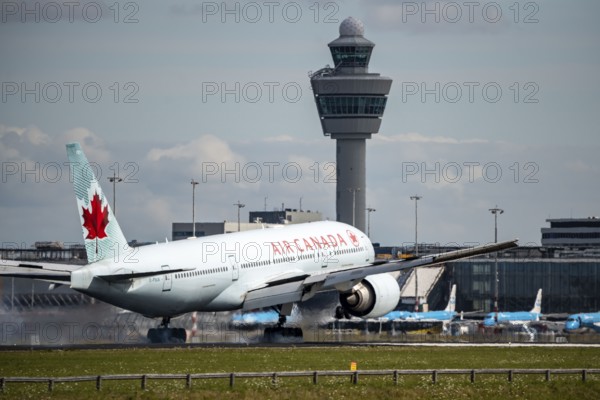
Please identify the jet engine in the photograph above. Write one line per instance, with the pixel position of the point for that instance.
(374, 296)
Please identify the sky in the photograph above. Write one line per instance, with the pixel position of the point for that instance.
(492, 104)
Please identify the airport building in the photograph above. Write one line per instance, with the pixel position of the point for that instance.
(287, 216)
(572, 232)
(569, 285)
(184, 230)
(257, 220)
(570, 280)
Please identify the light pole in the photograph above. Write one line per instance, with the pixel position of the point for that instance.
(194, 183)
(354, 190)
(416, 198)
(496, 211)
(114, 180)
(239, 205)
(369, 211)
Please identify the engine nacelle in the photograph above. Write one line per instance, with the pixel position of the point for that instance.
(374, 297)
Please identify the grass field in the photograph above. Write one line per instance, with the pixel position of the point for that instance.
(199, 360)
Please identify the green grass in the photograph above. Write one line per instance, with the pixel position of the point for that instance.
(198, 360)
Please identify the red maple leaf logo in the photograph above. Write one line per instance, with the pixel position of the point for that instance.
(96, 219)
(353, 238)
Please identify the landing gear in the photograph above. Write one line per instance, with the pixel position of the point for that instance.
(341, 313)
(281, 334)
(164, 334)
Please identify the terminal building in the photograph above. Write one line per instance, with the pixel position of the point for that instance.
(570, 280)
(570, 232)
(257, 220)
(287, 216)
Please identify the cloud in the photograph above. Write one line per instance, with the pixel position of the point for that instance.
(280, 138)
(93, 146)
(207, 148)
(414, 137)
(14, 141)
(579, 166)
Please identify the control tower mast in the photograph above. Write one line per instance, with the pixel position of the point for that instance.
(350, 102)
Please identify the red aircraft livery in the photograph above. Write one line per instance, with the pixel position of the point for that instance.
(312, 243)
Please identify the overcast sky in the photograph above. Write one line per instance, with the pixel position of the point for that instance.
(491, 104)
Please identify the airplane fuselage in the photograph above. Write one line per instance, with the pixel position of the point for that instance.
(583, 322)
(422, 316)
(510, 318)
(219, 270)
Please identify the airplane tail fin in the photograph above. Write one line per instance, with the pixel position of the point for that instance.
(537, 307)
(452, 301)
(102, 235)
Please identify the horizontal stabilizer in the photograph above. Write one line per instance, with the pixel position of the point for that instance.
(57, 273)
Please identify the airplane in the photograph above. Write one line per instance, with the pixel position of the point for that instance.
(259, 317)
(448, 314)
(248, 270)
(516, 318)
(582, 322)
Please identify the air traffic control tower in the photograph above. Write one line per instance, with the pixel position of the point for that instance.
(350, 102)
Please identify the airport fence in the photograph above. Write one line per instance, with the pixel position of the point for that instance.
(354, 376)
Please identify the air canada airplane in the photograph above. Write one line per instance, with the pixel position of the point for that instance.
(578, 323)
(517, 317)
(448, 314)
(272, 268)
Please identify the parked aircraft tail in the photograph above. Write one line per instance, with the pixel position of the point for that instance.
(537, 307)
(452, 301)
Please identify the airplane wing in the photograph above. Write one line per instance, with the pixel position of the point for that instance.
(50, 272)
(302, 288)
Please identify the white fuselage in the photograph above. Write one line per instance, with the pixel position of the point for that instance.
(221, 269)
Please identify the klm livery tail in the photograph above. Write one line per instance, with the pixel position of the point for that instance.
(452, 301)
(537, 307)
(101, 232)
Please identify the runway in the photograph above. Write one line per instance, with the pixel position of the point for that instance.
(118, 346)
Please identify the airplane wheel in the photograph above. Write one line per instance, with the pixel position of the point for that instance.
(167, 335)
(283, 335)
